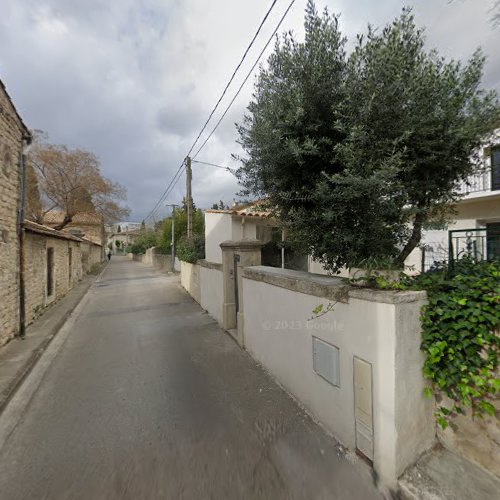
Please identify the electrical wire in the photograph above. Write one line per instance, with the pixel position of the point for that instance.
(171, 185)
(245, 80)
(229, 169)
(174, 180)
(167, 191)
(233, 75)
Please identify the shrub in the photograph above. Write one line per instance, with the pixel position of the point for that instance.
(146, 240)
(191, 249)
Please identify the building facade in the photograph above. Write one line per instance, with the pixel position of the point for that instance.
(14, 135)
(475, 228)
(53, 264)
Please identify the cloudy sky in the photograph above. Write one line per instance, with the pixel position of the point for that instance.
(134, 80)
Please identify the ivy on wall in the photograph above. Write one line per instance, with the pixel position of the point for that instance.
(191, 249)
(460, 335)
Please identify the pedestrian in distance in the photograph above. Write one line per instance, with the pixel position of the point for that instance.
(109, 255)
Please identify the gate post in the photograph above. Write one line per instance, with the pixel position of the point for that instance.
(235, 256)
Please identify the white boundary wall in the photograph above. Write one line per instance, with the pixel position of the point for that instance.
(381, 328)
(203, 281)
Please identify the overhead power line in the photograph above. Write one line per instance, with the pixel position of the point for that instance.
(229, 169)
(171, 185)
(245, 80)
(233, 75)
(174, 181)
(176, 177)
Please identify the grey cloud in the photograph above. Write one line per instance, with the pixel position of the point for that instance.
(134, 81)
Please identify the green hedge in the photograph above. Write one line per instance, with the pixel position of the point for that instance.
(191, 249)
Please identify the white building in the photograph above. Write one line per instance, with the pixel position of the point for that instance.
(474, 231)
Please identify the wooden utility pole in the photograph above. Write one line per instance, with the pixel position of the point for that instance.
(173, 205)
(189, 198)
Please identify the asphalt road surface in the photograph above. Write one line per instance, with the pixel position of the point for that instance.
(143, 396)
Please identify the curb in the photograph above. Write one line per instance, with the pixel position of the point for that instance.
(31, 361)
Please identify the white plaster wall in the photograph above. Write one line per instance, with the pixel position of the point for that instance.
(279, 336)
(148, 256)
(415, 425)
(211, 292)
(218, 228)
(484, 206)
(237, 230)
(190, 279)
(249, 229)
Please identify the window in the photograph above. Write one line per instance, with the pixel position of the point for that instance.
(495, 168)
(50, 272)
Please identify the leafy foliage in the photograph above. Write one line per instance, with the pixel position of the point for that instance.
(220, 206)
(164, 242)
(460, 335)
(355, 153)
(146, 239)
(70, 180)
(191, 249)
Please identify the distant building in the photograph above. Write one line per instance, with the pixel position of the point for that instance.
(118, 241)
(125, 226)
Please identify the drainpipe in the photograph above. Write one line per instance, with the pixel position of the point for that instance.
(26, 142)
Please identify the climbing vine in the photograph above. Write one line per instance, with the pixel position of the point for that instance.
(460, 335)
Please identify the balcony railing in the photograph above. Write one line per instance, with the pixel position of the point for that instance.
(476, 244)
(477, 183)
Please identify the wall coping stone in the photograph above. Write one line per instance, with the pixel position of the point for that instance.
(210, 265)
(319, 285)
(330, 287)
(250, 244)
(387, 296)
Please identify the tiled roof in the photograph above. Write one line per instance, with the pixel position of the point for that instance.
(254, 209)
(48, 231)
(56, 217)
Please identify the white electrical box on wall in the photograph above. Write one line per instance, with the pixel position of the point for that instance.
(326, 361)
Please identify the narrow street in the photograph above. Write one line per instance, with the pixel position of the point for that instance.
(144, 397)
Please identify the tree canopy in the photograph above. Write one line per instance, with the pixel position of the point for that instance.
(70, 180)
(180, 214)
(357, 152)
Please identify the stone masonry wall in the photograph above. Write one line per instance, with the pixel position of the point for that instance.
(95, 255)
(36, 270)
(11, 135)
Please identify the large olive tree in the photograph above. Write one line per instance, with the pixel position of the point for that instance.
(357, 152)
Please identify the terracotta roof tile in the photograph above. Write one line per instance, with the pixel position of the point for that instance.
(254, 209)
(56, 217)
(48, 231)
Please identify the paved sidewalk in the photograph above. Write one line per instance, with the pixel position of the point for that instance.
(18, 357)
(441, 475)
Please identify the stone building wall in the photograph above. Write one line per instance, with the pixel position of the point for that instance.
(36, 247)
(12, 131)
(477, 439)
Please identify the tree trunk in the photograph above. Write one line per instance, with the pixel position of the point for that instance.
(67, 219)
(414, 240)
